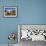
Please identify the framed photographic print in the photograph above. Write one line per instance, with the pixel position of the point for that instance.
(10, 11)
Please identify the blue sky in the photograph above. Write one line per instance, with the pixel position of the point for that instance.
(9, 8)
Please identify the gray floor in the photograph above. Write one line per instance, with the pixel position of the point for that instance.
(7, 45)
(30, 43)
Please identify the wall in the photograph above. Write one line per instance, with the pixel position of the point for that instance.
(29, 12)
(7, 25)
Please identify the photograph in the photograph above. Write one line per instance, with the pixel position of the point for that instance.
(10, 11)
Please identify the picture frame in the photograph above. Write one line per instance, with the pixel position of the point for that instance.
(10, 11)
